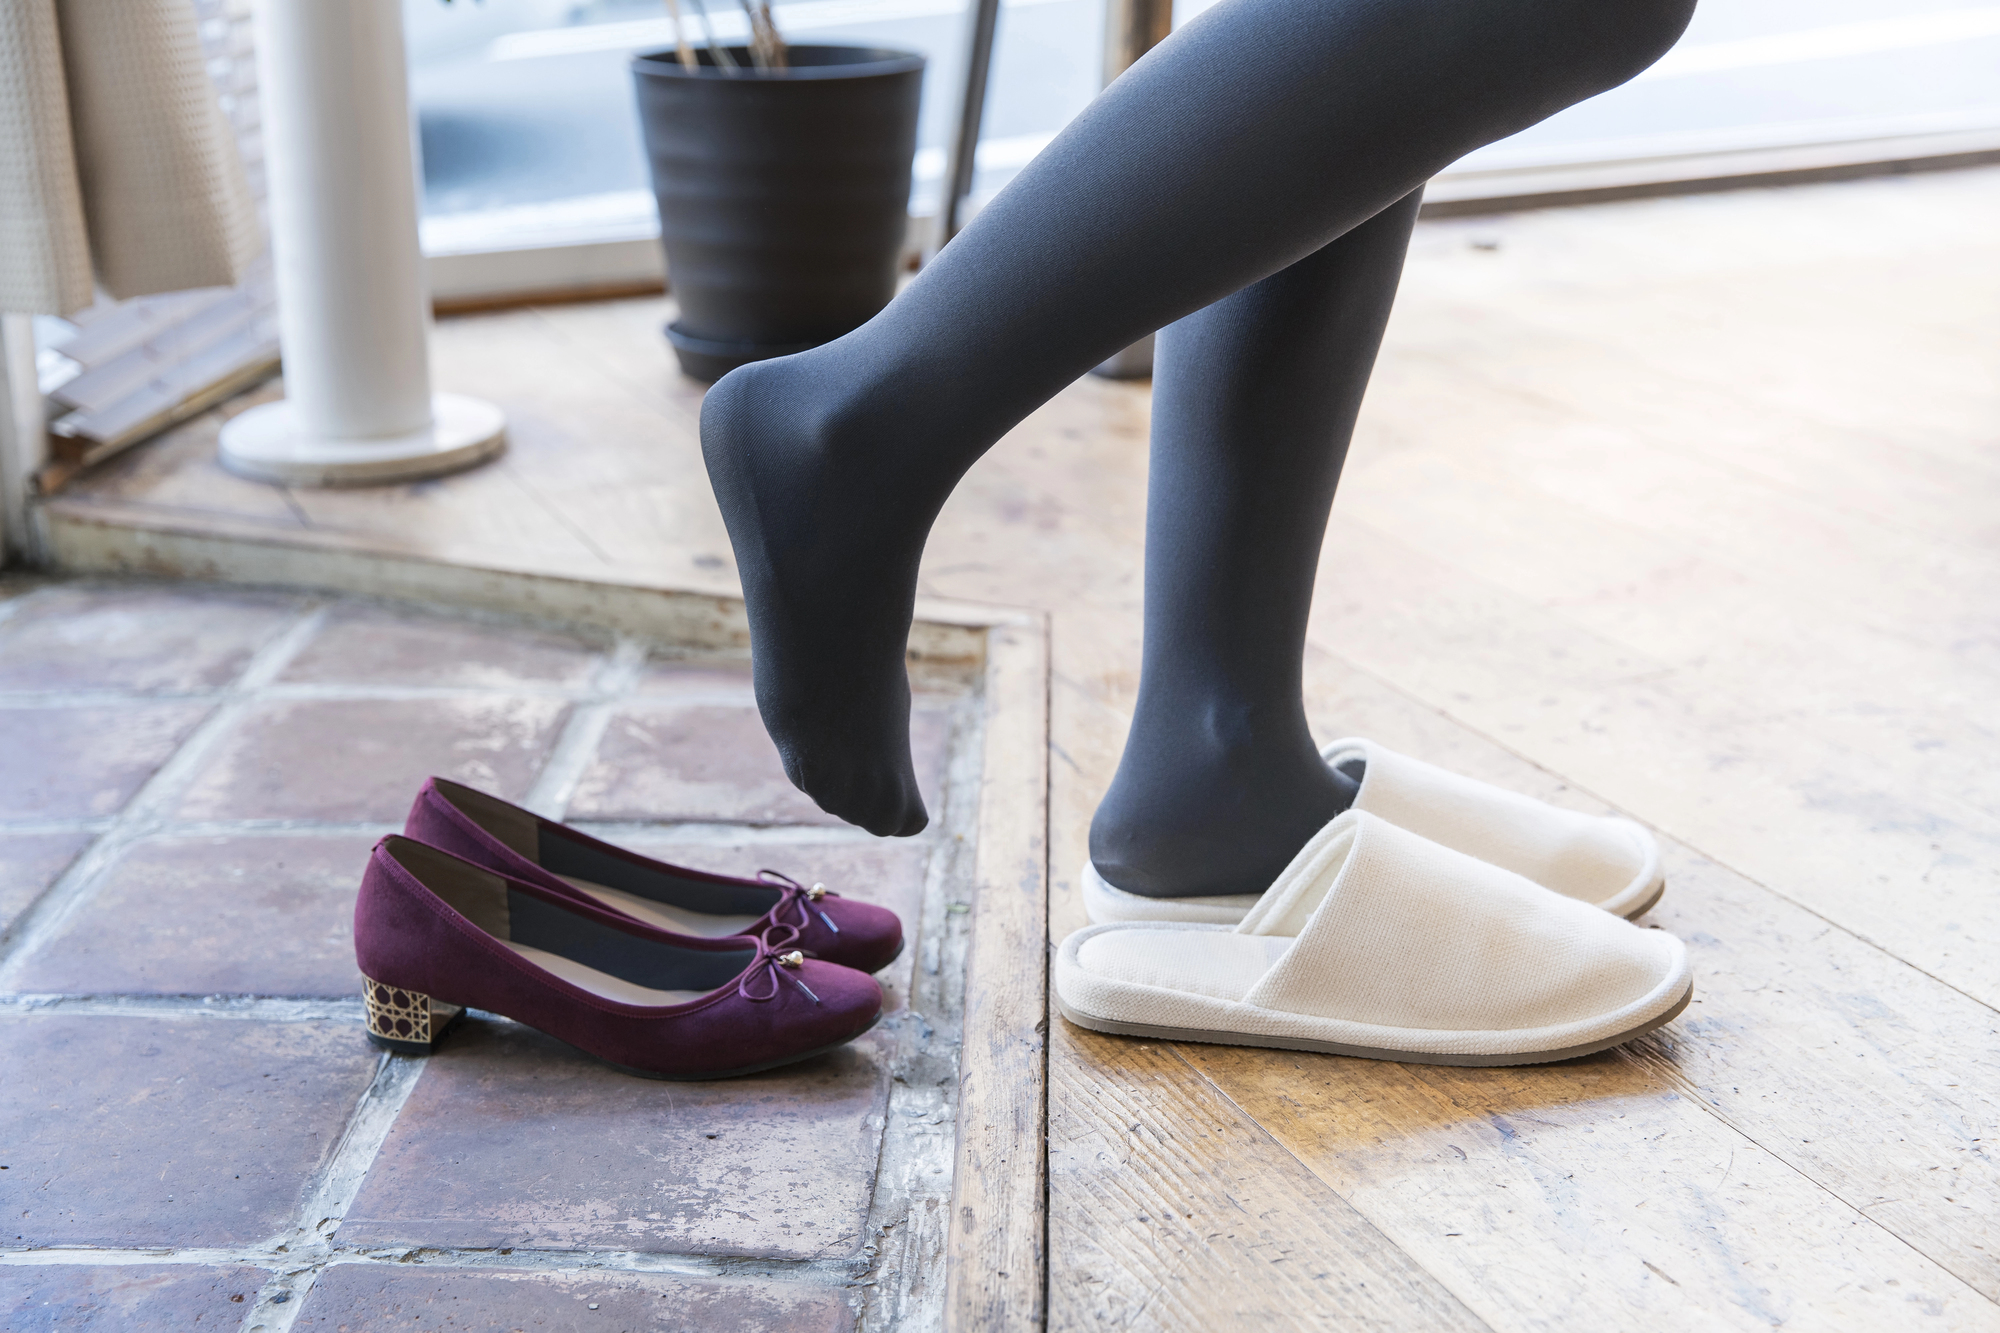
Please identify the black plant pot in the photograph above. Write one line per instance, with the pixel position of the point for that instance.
(784, 195)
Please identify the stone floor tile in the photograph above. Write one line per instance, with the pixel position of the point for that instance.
(153, 1131)
(29, 863)
(349, 1298)
(73, 763)
(136, 638)
(363, 759)
(125, 1298)
(705, 762)
(213, 915)
(708, 681)
(715, 762)
(370, 645)
(930, 744)
(515, 1139)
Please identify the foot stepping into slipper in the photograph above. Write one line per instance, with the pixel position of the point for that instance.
(1608, 862)
(1378, 942)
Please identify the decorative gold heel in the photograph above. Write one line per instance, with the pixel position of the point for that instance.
(404, 1020)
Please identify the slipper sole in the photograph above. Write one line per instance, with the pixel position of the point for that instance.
(1652, 901)
(1218, 1038)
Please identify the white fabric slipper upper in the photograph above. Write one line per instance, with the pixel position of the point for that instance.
(1611, 863)
(1378, 942)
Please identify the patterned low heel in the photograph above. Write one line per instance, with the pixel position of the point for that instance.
(406, 1021)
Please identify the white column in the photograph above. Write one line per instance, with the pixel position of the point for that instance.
(23, 440)
(353, 308)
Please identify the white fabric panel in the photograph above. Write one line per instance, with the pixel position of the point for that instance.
(114, 156)
(164, 193)
(44, 249)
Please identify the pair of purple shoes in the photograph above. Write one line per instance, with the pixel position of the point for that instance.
(659, 970)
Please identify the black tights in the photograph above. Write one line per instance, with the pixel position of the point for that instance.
(1254, 178)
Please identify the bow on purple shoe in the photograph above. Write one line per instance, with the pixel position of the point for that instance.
(493, 833)
(770, 965)
(798, 905)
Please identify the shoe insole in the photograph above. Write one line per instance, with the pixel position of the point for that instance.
(665, 916)
(1218, 963)
(600, 983)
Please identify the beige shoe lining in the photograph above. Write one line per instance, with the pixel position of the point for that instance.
(1218, 964)
(477, 895)
(664, 916)
(602, 983)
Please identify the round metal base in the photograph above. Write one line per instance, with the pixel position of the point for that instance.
(267, 444)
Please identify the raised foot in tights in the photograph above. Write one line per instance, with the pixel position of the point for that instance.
(828, 550)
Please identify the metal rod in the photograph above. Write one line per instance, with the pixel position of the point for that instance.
(1132, 28)
(23, 440)
(985, 15)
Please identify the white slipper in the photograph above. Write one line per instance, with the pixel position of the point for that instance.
(1377, 942)
(1611, 863)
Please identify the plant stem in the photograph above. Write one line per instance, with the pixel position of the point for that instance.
(720, 53)
(775, 49)
(681, 47)
(767, 48)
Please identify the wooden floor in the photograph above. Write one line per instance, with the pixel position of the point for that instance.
(1687, 508)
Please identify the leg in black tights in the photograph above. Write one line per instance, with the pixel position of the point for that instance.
(1243, 144)
(1254, 400)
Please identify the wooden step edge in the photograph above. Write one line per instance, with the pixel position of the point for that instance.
(100, 537)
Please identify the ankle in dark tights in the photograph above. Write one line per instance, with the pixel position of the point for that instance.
(1254, 178)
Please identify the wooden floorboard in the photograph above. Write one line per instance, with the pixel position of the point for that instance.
(996, 1251)
(1590, 1195)
(1173, 1208)
(1876, 1082)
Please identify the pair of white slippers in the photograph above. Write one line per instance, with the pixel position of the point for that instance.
(1439, 920)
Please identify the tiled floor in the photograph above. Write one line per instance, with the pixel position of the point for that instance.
(194, 1133)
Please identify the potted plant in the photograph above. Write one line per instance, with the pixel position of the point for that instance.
(783, 179)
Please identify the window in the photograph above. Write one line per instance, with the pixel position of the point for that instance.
(533, 172)
(534, 176)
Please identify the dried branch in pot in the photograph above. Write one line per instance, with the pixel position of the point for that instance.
(681, 47)
(767, 47)
(716, 50)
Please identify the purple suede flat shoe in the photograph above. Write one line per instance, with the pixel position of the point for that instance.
(489, 832)
(435, 935)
